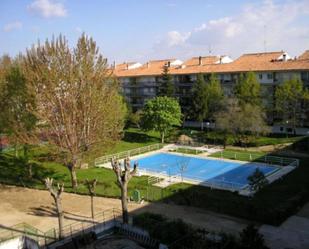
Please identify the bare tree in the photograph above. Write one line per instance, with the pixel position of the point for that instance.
(78, 103)
(91, 188)
(183, 166)
(123, 178)
(56, 194)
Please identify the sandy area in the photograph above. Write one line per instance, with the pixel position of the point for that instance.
(36, 207)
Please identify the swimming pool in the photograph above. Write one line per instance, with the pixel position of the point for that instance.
(211, 171)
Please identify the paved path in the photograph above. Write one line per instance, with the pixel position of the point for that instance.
(36, 207)
(293, 233)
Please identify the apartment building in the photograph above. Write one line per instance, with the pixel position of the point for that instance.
(140, 81)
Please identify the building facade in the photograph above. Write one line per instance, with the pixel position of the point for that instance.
(140, 81)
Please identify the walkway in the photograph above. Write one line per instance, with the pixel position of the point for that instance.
(293, 233)
(36, 207)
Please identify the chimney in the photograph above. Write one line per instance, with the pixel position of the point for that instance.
(114, 65)
(147, 64)
(127, 66)
(200, 61)
(220, 59)
(284, 57)
(168, 64)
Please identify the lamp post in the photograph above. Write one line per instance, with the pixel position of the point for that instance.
(286, 128)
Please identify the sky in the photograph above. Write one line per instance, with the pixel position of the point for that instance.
(141, 30)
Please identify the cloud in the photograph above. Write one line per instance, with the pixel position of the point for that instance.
(176, 38)
(284, 26)
(47, 8)
(12, 26)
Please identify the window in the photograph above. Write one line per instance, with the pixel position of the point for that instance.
(260, 76)
(269, 76)
(281, 128)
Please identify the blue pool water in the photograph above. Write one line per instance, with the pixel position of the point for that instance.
(232, 174)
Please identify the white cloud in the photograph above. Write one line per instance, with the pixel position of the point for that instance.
(48, 8)
(284, 26)
(176, 38)
(12, 26)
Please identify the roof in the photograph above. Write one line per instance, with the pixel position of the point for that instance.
(304, 56)
(194, 61)
(267, 61)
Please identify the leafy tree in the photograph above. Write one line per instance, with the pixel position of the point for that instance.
(200, 100)
(250, 238)
(78, 101)
(289, 98)
(123, 178)
(135, 118)
(161, 114)
(248, 89)
(241, 121)
(167, 86)
(214, 95)
(5, 64)
(21, 123)
(257, 180)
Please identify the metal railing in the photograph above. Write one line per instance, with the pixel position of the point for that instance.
(19, 229)
(68, 232)
(128, 153)
(275, 160)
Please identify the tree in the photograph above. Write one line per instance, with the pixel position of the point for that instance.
(20, 122)
(241, 121)
(5, 64)
(200, 100)
(123, 178)
(135, 118)
(161, 114)
(288, 101)
(214, 95)
(250, 238)
(166, 87)
(91, 189)
(56, 194)
(79, 106)
(257, 180)
(248, 89)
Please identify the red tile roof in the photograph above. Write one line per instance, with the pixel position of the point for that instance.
(247, 62)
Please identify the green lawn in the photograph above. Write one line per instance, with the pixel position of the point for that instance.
(272, 204)
(187, 151)
(238, 155)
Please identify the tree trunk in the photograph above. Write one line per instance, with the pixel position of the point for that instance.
(60, 216)
(1, 148)
(15, 151)
(162, 137)
(92, 207)
(124, 204)
(73, 176)
(30, 170)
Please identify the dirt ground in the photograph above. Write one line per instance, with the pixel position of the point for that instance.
(36, 208)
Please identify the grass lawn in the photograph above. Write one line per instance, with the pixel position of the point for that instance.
(238, 155)
(187, 151)
(271, 205)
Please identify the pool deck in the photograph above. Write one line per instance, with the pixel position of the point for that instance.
(169, 180)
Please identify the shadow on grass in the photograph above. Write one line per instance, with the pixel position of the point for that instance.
(136, 137)
(14, 170)
(272, 204)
